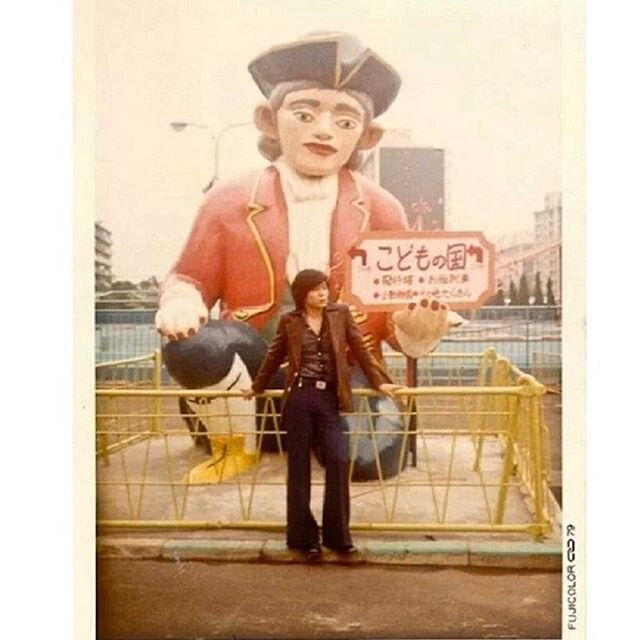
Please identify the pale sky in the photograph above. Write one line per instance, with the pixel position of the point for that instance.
(481, 79)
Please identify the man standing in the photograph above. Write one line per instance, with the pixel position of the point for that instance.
(314, 339)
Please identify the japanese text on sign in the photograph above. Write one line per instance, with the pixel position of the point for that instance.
(390, 270)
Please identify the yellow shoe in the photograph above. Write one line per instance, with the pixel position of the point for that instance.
(228, 460)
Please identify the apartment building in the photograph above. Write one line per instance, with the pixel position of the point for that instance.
(103, 271)
(548, 237)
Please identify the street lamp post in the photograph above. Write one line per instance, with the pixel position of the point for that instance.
(180, 126)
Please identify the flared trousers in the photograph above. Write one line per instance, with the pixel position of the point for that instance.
(311, 419)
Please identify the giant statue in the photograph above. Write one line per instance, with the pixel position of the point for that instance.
(253, 233)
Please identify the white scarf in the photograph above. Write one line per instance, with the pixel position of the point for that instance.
(310, 204)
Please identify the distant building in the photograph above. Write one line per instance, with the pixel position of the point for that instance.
(548, 236)
(415, 175)
(103, 272)
(517, 255)
(512, 262)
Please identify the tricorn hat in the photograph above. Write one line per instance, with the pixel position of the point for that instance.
(337, 60)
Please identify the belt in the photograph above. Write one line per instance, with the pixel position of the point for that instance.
(314, 382)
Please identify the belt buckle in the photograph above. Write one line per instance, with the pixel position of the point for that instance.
(321, 384)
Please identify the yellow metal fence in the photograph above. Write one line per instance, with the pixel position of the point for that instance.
(474, 453)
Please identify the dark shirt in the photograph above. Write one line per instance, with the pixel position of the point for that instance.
(318, 360)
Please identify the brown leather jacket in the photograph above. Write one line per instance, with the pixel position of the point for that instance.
(345, 334)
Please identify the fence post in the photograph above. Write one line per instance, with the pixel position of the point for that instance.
(506, 426)
(533, 393)
(485, 379)
(157, 384)
(507, 468)
(412, 381)
(103, 439)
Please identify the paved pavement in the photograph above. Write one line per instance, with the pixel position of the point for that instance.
(153, 599)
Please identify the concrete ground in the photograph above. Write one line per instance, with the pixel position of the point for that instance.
(147, 481)
(152, 599)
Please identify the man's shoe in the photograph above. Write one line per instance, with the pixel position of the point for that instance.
(344, 550)
(314, 553)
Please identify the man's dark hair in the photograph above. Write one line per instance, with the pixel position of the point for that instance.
(306, 280)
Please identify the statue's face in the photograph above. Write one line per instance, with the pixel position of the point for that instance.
(319, 130)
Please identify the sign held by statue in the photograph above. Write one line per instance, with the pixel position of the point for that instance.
(387, 270)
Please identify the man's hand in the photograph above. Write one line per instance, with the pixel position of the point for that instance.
(388, 389)
(247, 394)
(419, 327)
(182, 311)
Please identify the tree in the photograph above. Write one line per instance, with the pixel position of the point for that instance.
(537, 291)
(498, 298)
(513, 293)
(150, 283)
(122, 285)
(523, 291)
(551, 300)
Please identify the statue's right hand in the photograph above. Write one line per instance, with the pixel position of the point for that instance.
(182, 312)
(177, 321)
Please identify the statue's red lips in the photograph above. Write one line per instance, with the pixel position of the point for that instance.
(320, 149)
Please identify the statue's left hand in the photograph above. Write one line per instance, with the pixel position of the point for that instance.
(419, 327)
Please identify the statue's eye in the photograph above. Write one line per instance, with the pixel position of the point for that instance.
(347, 123)
(303, 116)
